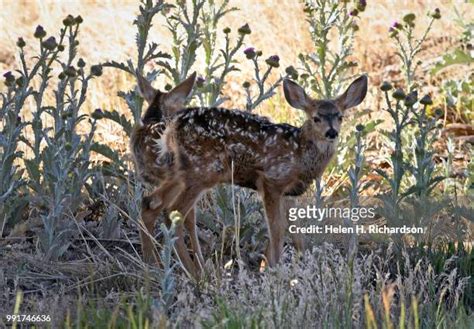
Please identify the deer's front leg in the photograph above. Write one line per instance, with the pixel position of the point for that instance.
(152, 206)
(275, 222)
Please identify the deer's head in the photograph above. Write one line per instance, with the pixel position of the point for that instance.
(324, 117)
(162, 103)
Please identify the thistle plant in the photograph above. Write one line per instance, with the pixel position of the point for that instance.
(408, 46)
(260, 79)
(59, 166)
(328, 66)
(146, 52)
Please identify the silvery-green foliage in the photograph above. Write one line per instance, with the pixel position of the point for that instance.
(59, 166)
(327, 67)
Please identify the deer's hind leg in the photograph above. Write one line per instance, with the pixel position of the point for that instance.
(276, 224)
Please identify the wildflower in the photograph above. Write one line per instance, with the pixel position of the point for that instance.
(273, 61)
(245, 29)
(96, 70)
(21, 43)
(361, 5)
(354, 12)
(70, 71)
(426, 100)
(291, 71)
(246, 84)
(397, 25)
(226, 30)
(69, 20)
(411, 98)
(9, 78)
(39, 32)
(409, 19)
(436, 14)
(200, 82)
(97, 114)
(386, 86)
(81, 63)
(250, 52)
(78, 20)
(176, 217)
(360, 128)
(399, 94)
(50, 43)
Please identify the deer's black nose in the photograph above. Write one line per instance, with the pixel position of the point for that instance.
(331, 133)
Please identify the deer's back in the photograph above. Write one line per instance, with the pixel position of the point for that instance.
(214, 145)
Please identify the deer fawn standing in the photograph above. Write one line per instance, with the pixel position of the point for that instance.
(183, 152)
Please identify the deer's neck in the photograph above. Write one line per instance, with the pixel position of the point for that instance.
(316, 153)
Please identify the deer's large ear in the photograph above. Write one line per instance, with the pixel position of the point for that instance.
(176, 98)
(355, 93)
(295, 94)
(145, 89)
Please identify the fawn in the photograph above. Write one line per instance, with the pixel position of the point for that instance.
(183, 152)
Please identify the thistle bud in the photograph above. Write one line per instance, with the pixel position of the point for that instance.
(200, 82)
(78, 20)
(21, 43)
(61, 47)
(50, 43)
(97, 114)
(360, 128)
(436, 14)
(96, 70)
(168, 87)
(354, 12)
(69, 20)
(81, 63)
(426, 100)
(259, 53)
(399, 94)
(409, 19)
(245, 29)
(226, 30)
(70, 71)
(68, 147)
(61, 76)
(291, 71)
(411, 98)
(39, 32)
(20, 81)
(361, 5)
(273, 61)
(355, 27)
(250, 52)
(386, 86)
(246, 84)
(9, 79)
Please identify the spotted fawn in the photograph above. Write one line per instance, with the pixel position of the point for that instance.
(182, 152)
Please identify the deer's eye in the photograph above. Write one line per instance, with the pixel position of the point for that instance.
(340, 118)
(316, 119)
